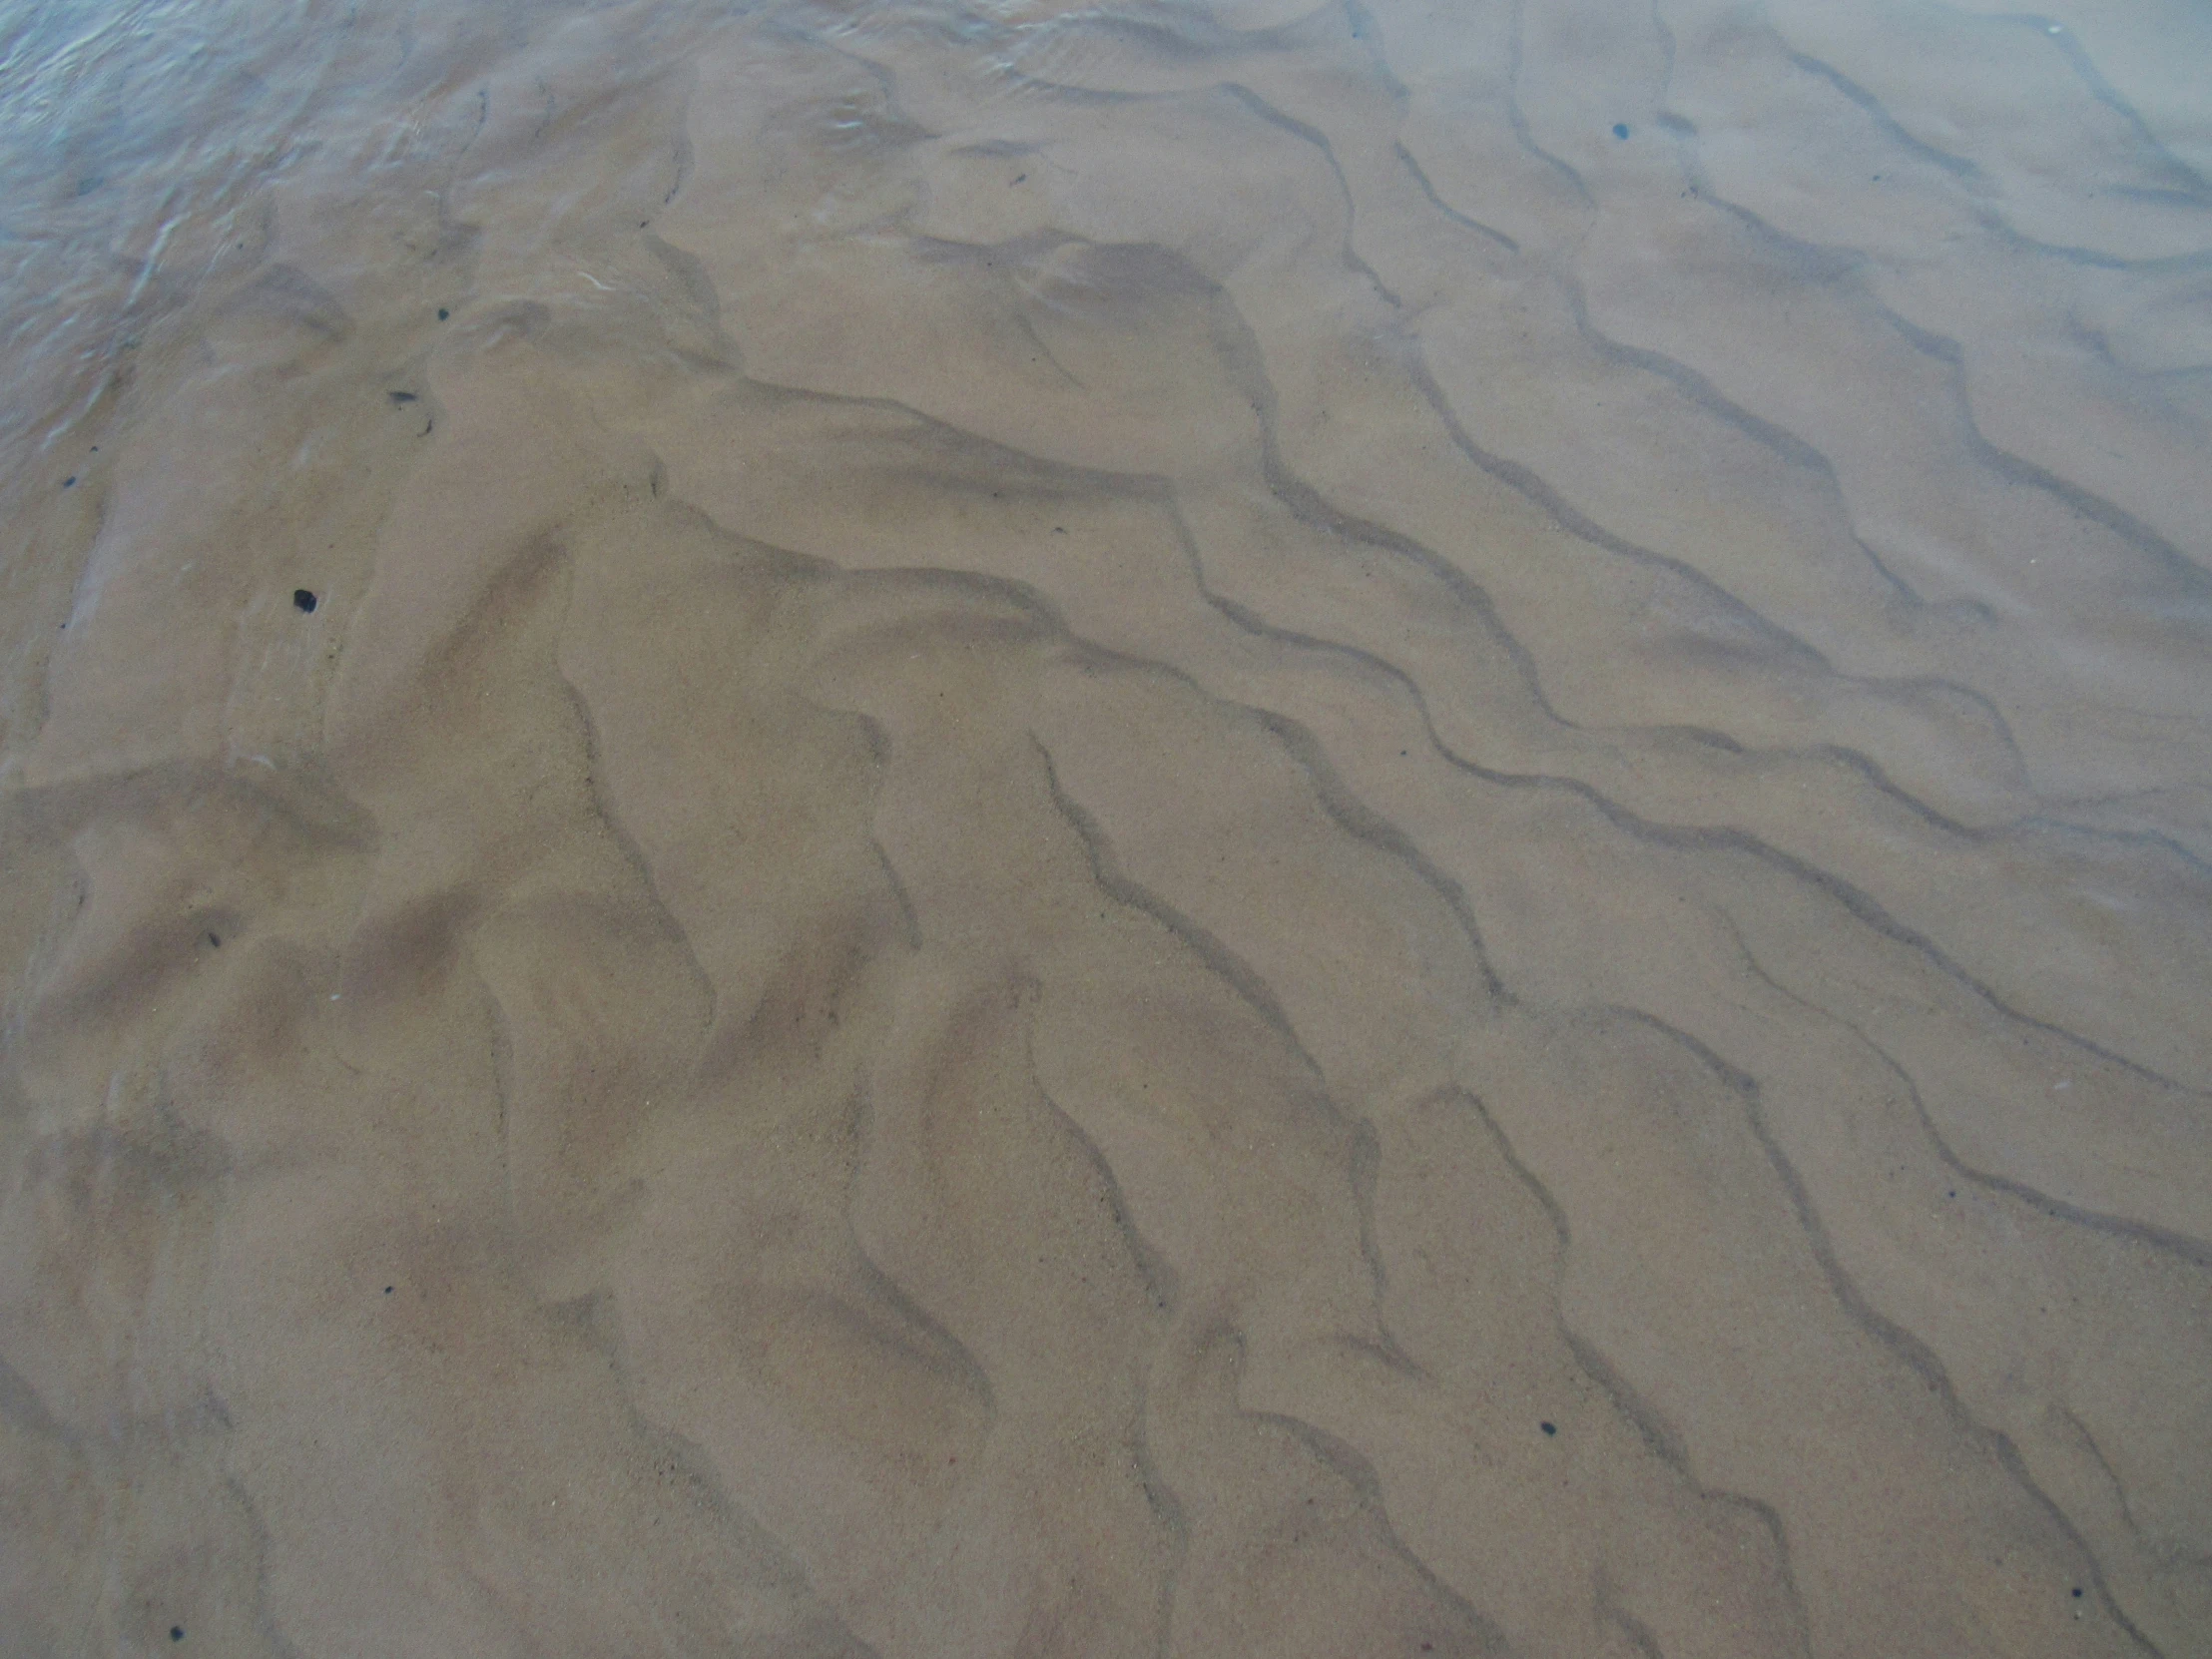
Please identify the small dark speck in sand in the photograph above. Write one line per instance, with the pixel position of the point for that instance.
(304, 598)
(1620, 129)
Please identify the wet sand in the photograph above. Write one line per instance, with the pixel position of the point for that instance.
(838, 829)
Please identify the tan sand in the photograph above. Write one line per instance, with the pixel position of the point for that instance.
(1178, 830)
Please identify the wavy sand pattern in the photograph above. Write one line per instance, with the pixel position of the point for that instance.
(1189, 829)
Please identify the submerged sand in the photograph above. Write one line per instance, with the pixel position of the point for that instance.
(1170, 830)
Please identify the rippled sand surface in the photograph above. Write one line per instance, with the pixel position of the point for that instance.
(1187, 829)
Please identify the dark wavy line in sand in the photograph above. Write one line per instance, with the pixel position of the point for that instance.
(2151, 838)
(1921, 1359)
(1650, 1425)
(1667, 48)
(1162, 1287)
(633, 854)
(1709, 397)
(1164, 1293)
(1309, 507)
(1981, 205)
(1223, 963)
(265, 1621)
(1248, 982)
(21, 1406)
(1869, 771)
(1686, 379)
(1872, 913)
(2197, 1251)
(1851, 263)
(1245, 360)
(689, 1463)
(1367, 32)
(1908, 1347)
(1855, 900)
(1640, 1635)
(1351, 1466)
(1860, 905)
(1160, 1498)
(2194, 577)
(1241, 352)
(1519, 119)
(2104, 1465)
(1958, 167)
(925, 1341)
(1428, 190)
(2095, 259)
(303, 801)
(2068, 45)
(1358, 819)
(1531, 484)
(1313, 136)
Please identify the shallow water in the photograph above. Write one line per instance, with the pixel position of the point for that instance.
(1159, 829)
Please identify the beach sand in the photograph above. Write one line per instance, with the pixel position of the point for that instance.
(1181, 830)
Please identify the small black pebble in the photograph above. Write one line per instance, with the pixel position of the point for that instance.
(444, 314)
(1620, 129)
(1019, 177)
(1549, 1427)
(1954, 1192)
(217, 943)
(176, 1632)
(387, 1290)
(402, 397)
(67, 482)
(2078, 1592)
(303, 599)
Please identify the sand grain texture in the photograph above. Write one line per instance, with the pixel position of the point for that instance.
(1172, 831)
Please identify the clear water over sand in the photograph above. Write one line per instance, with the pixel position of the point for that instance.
(1187, 829)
